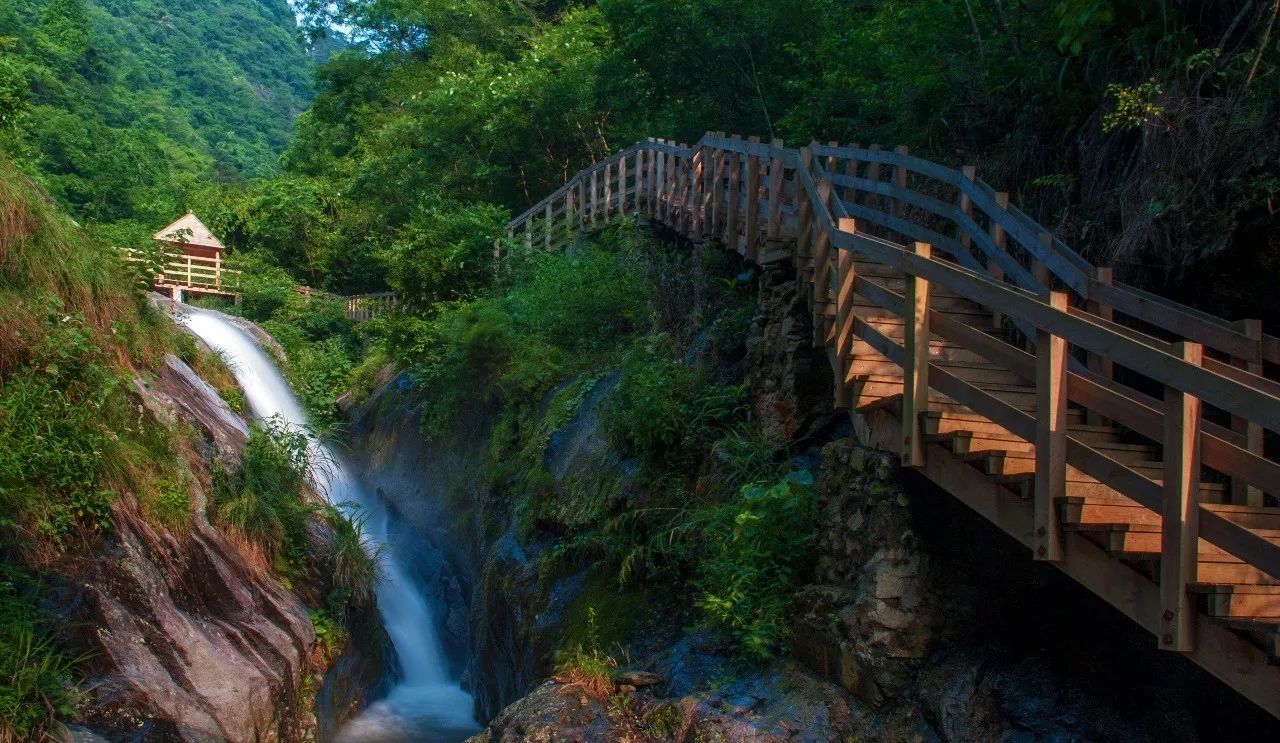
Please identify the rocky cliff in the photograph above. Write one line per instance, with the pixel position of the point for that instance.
(922, 622)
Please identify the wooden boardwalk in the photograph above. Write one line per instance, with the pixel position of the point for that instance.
(1117, 434)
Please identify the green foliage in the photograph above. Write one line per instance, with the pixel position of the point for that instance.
(51, 442)
(331, 635)
(664, 409)
(1135, 107)
(269, 502)
(444, 253)
(266, 501)
(132, 105)
(760, 548)
(36, 677)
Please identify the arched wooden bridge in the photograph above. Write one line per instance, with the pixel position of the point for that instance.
(1117, 434)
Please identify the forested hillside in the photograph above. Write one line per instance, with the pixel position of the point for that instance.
(1142, 132)
(123, 109)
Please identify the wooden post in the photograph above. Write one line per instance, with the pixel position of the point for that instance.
(1242, 492)
(668, 184)
(528, 236)
(696, 181)
(717, 192)
(915, 377)
(735, 191)
(546, 227)
(998, 236)
(1097, 363)
(639, 195)
(753, 203)
(968, 173)
(608, 192)
(821, 267)
(1180, 515)
(680, 197)
(622, 184)
(568, 216)
(873, 174)
(1051, 438)
(651, 188)
(900, 180)
(188, 270)
(804, 212)
(1038, 267)
(851, 169)
(845, 276)
(777, 176)
(595, 200)
(217, 269)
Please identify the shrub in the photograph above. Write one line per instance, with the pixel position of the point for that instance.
(52, 440)
(586, 666)
(445, 252)
(760, 549)
(266, 502)
(36, 684)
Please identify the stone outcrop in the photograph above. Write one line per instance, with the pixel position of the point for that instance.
(192, 642)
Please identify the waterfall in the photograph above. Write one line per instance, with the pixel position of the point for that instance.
(426, 705)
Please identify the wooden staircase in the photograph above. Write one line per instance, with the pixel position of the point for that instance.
(1064, 407)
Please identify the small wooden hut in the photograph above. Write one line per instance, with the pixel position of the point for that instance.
(189, 236)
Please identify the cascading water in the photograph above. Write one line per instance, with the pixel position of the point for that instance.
(426, 705)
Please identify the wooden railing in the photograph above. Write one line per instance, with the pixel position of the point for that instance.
(175, 269)
(187, 273)
(1068, 326)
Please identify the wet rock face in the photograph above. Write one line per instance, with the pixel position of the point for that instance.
(192, 642)
(788, 378)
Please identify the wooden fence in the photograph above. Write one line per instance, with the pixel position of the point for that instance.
(886, 233)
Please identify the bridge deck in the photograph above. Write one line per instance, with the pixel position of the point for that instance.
(1116, 434)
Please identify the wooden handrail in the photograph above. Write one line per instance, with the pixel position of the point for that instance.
(1067, 266)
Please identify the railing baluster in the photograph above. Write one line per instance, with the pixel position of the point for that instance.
(1180, 515)
(595, 203)
(752, 227)
(1001, 239)
(608, 192)
(900, 180)
(622, 185)
(873, 174)
(821, 267)
(1051, 438)
(717, 191)
(777, 180)
(546, 228)
(915, 377)
(1242, 492)
(845, 276)
(804, 215)
(1098, 363)
(731, 213)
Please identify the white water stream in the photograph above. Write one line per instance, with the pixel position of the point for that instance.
(426, 705)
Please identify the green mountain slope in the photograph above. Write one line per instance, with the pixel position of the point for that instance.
(122, 108)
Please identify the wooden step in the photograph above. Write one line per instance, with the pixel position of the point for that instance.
(1239, 602)
(1096, 510)
(1024, 462)
(1267, 632)
(1136, 541)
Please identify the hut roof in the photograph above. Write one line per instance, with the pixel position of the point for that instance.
(191, 231)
